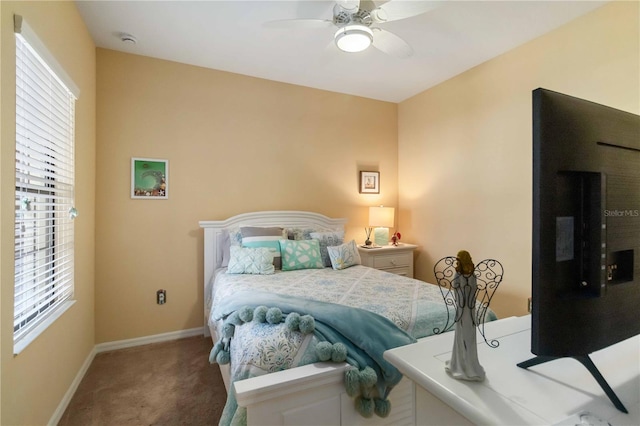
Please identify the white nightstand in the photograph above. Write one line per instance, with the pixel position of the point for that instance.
(396, 259)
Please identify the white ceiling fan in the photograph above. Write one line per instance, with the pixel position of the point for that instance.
(357, 22)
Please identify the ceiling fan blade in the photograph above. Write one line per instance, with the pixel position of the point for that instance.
(395, 10)
(350, 5)
(390, 43)
(298, 23)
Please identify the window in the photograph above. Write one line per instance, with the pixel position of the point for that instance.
(44, 195)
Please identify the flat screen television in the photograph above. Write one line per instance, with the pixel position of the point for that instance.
(586, 229)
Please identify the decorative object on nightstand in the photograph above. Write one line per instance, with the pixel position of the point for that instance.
(469, 288)
(381, 218)
(367, 231)
(395, 238)
(394, 259)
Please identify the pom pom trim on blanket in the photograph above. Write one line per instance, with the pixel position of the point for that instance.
(358, 383)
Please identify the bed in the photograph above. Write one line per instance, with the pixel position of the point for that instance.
(292, 384)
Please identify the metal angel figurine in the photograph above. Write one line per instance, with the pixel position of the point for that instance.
(469, 289)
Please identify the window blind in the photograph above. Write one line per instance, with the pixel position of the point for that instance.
(44, 190)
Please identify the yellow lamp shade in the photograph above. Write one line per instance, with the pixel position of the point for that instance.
(381, 217)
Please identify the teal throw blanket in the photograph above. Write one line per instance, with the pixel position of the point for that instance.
(365, 334)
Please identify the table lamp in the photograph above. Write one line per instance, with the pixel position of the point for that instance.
(381, 218)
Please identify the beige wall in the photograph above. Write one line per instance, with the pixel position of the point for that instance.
(465, 151)
(234, 144)
(456, 158)
(34, 382)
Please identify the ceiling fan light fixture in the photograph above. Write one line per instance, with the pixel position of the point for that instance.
(353, 38)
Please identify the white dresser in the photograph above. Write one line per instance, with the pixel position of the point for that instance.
(554, 393)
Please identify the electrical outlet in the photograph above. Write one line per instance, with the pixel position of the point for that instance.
(529, 305)
(161, 297)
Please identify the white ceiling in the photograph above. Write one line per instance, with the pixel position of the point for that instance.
(230, 36)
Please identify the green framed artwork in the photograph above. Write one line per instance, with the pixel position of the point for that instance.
(149, 178)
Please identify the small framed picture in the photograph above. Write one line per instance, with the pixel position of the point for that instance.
(369, 182)
(149, 178)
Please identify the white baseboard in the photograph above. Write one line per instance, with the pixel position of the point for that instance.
(66, 399)
(156, 338)
(110, 346)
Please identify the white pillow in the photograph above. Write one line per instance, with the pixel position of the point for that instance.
(246, 260)
(223, 248)
(345, 255)
(229, 237)
(256, 236)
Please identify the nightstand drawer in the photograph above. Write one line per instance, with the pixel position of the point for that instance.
(392, 260)
(397, 260)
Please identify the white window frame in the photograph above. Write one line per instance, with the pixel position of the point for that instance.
(44, 188)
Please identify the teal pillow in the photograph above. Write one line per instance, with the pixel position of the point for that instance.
(344, 256)
(303, 254)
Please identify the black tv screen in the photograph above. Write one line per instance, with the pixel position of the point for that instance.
(586, 225)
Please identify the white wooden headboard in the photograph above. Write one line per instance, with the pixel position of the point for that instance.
(214, 232)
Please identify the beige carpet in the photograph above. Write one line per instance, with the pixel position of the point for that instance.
(170, 383)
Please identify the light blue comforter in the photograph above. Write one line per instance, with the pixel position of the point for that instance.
(393, 310)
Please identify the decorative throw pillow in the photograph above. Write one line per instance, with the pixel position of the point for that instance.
(304, 254)
(246, 260)
(327, 239)
(344, 256)
(253, 236)
(229, 237)
(235, 235)
(303, 233)
(223, 247)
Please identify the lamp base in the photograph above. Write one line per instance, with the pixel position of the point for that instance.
(381, 236)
